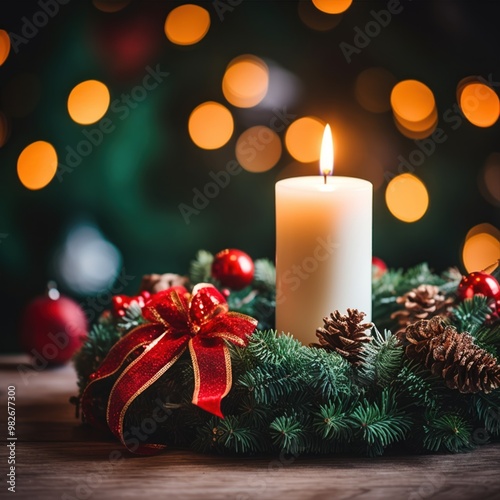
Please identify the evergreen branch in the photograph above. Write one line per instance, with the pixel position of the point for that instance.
(133, 317)
(328, 372)
(334, 421)
(487, 337)
(471, 312)
(236, 437)
(200, 269)
(486, 408)
(381, 359)
(381, 423)
(287, 433)
(447, 431)
(264, 274)
(418, 386)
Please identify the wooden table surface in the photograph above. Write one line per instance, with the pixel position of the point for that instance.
(58, 458)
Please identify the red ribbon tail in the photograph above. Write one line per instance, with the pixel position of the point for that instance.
(212, 373)
(158, 357)
(137, 338)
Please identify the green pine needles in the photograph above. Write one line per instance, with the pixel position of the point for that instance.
(295, 399)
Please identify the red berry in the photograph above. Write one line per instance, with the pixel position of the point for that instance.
(233, 269)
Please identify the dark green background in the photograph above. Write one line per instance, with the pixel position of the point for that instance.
(132, 183)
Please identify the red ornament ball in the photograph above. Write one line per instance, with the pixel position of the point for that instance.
(233, 269)
(379, 267)
(53, 328)
(478, 283)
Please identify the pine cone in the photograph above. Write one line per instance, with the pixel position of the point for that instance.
(422, 302)
(452, 355)
(344, 334)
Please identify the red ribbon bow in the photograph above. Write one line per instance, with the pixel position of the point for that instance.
(178, 320)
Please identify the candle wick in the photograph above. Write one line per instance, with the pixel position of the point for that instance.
(324, 177)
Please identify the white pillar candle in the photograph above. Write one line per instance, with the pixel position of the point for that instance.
(323, 249)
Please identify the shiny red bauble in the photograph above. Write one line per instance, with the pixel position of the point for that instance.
(53, 328)
(233, 269)
(478, 283)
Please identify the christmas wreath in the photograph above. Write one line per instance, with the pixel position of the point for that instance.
(185, 364)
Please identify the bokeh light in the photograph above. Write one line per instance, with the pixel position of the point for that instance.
(303, 138)
(479, 102)
(245, 81)
(187, 24)
(37, 165)
(489, 179)
(407, 198)
(4, 46)
(88, 102)
(481, 248)
(4, 129)
(316, 19)
(210, 125)
(332, 6)
(258, 149)
(110, 6)
(86, 262)
(373, 89)
(412, 100)
(414, 109)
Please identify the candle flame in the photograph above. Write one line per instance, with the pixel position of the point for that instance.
(326, 157)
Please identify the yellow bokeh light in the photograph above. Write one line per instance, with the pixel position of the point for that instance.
(373, 89)
(210, 125)
(245, 81)
(480, 251)
(412, 100)
(303, 138)
(37, 165)
(4, 46)
(479, 103)
(258, 149)
(110, 5)
(407, 198)
(88, 102)
(187, 24)
(316, 19)
(332, 6)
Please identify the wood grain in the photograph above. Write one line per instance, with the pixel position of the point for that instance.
(57, 458)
